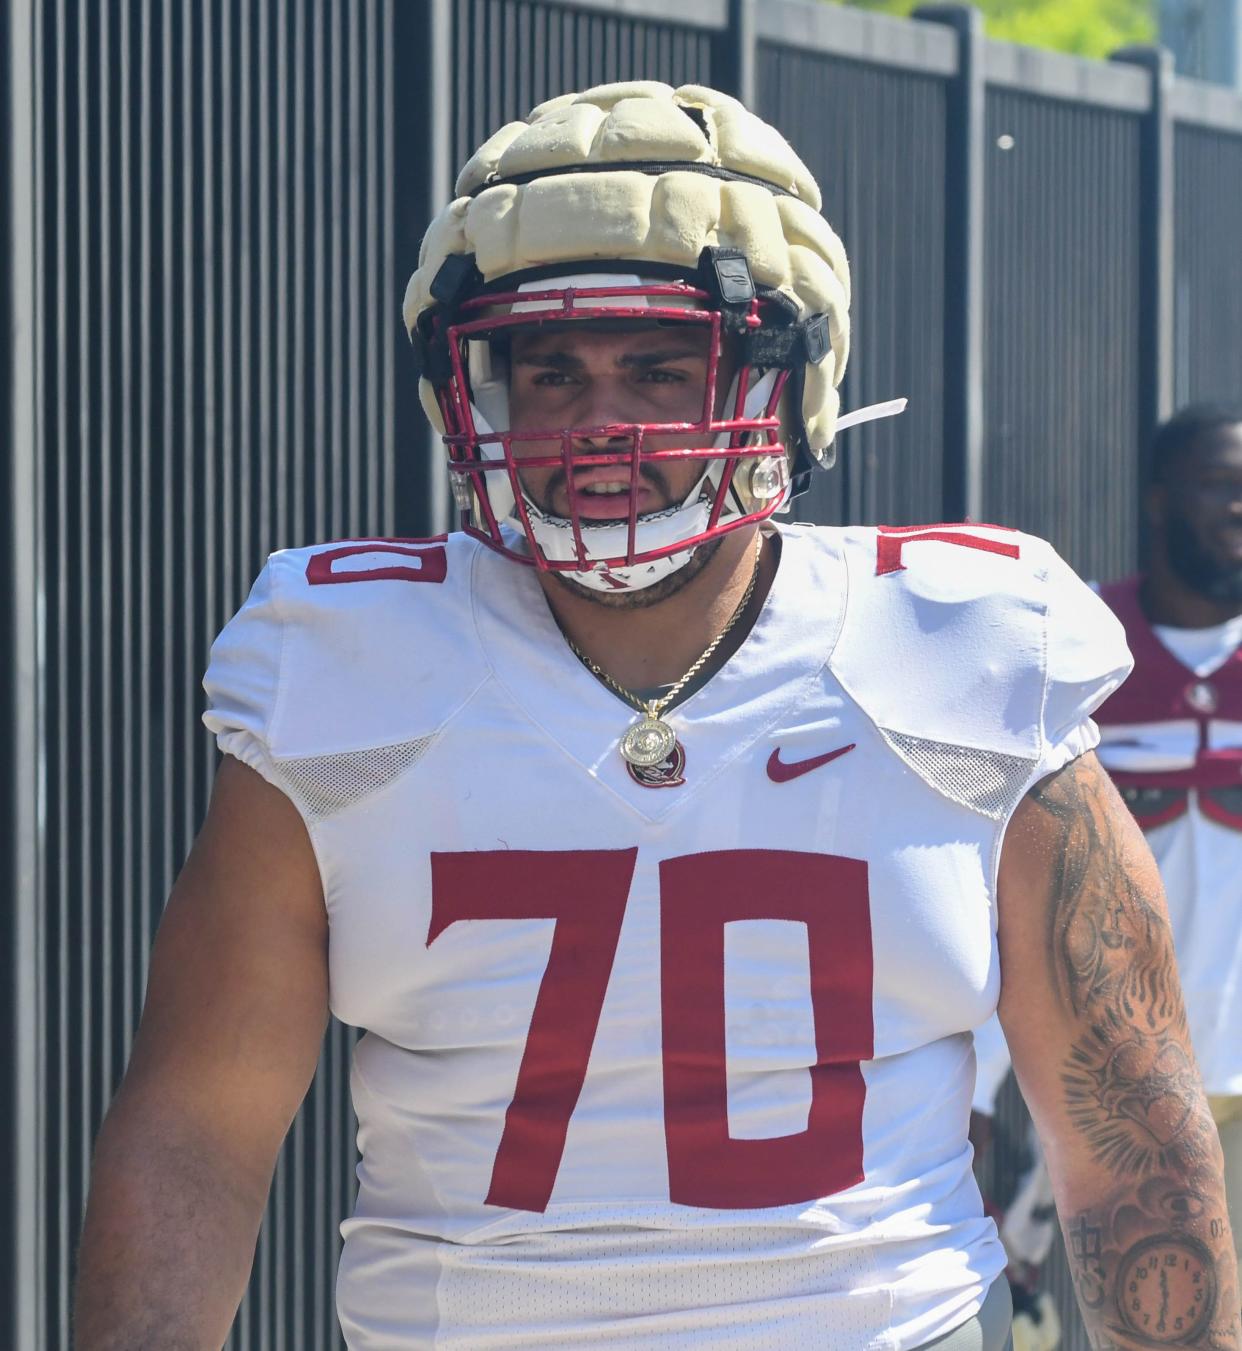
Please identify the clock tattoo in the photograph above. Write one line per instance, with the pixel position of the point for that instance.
(1166, 1290)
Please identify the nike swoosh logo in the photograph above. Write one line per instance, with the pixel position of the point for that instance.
(780, 772)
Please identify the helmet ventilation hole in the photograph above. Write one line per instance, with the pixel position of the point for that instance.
(699, 118)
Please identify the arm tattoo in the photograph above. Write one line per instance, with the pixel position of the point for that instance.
(1149, 1272)
(1153, 1265)
(1135, 1099)
(1131, 1086)
(1109, 944)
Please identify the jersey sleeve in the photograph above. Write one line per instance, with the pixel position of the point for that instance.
(1087, 658)
(243, 677)
(991, 1065)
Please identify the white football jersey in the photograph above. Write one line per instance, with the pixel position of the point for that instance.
(676, 1066)
(1172, 739)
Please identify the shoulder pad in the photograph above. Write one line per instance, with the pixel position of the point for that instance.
(349, 645)
(974, 638)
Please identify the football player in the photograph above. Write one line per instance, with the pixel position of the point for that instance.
(667, 855)
(1172, 738)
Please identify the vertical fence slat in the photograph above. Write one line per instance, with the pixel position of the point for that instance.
(1208, 264)
(1156, 313)
(26, 85)
(964, 280)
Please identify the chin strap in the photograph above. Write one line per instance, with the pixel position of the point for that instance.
(873, 411)
(826, 457)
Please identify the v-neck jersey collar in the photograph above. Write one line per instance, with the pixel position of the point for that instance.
(775, 666)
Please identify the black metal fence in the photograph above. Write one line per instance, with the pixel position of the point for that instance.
(1063, 275)
(883, 180)
(212, 207)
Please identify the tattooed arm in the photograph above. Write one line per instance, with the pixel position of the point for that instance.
(1092, 1010)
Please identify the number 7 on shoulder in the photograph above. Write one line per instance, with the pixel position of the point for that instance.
(891, 539)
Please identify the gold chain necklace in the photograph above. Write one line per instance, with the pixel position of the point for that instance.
(651, 740)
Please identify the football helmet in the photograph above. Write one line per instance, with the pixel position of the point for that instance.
(632, 205)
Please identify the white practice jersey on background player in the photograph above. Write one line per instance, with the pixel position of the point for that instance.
(1200, 862)
(686, 1066)
(1172, 738)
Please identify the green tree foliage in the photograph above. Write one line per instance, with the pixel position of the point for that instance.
(1083, 27)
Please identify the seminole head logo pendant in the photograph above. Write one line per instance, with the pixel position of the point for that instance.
(666, 773)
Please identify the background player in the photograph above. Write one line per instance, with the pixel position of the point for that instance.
(668, 858)
(1172, 736)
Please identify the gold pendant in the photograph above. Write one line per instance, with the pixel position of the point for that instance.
(648, 742)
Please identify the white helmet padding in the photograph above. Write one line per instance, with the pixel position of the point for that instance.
(641, 170)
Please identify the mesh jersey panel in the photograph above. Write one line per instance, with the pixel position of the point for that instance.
(325, 784)
(986, 781)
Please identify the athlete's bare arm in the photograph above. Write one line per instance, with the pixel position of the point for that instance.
(1092, 1010)
(235, 1013)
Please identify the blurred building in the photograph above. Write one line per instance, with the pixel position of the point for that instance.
(1205, 37)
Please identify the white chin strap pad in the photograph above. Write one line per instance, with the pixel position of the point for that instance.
(555, 536)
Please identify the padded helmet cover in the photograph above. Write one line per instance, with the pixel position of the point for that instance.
(644, 172)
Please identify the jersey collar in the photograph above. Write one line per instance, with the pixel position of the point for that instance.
(780, 662)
